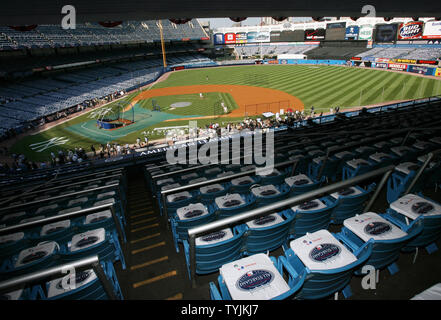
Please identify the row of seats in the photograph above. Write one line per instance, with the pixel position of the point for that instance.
(197, 207)
(321, 263)
(41, 246)
(94, 34)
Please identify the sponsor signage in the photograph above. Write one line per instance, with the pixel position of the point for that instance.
(431, 62)
(438, 72)
(432, 30)
(381, 60)
(421, 70)
(230, 38)
(352, 33)
(386, 33)
(253, 37)
(205, 38)
(410, 30)
(397, 66)
(381, 65)
(315, 34)
(218, 38)
(411, 61)
(241, 37)
(366, 32)
(356, 58)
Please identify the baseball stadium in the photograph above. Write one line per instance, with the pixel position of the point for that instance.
(106, 128)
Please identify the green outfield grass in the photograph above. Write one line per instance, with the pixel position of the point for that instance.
(320, 86)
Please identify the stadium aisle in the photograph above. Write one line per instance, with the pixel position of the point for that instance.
(154, 270)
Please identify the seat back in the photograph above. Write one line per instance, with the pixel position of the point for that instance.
(321, 284)
(210, 257)
(350, 205)
(268, 238)
(311, 221)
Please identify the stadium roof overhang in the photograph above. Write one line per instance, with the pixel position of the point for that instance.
(49, 11)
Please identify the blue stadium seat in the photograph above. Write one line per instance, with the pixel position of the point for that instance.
(329, 171)
(257, 277)
(411, 207)
(178, 200)
(60, 232)
(269, 193)
(311, 216)
(267, 233)
(405, 153)
(13, 243)
(208, 193)
(43, 255)
(329, 264)
(271, 177)
(356, 167)
(349, 202)
(404, 174)
(87, 286)
(231, 204)
(188, 217)
(388, 238)
(244, 183)
(302, 183)
(99, 242)
(215, 249)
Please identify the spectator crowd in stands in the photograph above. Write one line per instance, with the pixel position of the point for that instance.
(77, 155)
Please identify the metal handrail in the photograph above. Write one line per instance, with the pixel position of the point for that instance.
(59, 197)
(219, 224)
(93, 261)
(59, 217)
(164, 193)
(9, 199)
(420, 171)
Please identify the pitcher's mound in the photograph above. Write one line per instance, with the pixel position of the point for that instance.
(180, 104)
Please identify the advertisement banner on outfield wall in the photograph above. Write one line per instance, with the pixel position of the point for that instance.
(218, 38)
(352, 33)
(382, 65)
(230, 38)
(371, 59)
(366, 32)
(386, 60)
(253, 37)
(397, 66)
(432, 30)
(241, 37)
(428, 71)
(410, 30)
(411, 61)
(438, 72)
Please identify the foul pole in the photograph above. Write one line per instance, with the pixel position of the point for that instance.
(164, 61)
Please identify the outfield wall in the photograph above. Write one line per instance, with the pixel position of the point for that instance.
(313, 62)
